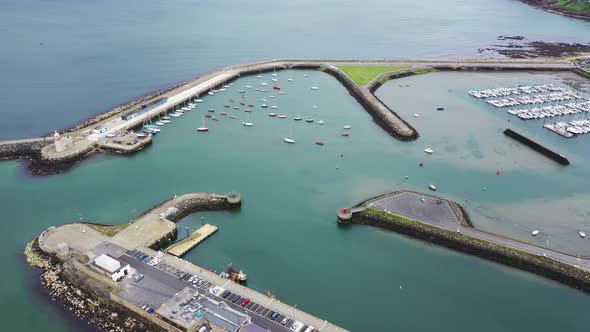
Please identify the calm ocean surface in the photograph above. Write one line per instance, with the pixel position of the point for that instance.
(98, 54)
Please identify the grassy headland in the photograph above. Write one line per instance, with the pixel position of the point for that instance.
(364, 74)
(575, 6)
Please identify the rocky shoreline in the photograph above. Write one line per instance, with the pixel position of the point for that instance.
(519, 47)
(83, 301)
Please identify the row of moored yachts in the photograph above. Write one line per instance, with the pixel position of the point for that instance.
(570, 129)
(523, 89)
(551, 110)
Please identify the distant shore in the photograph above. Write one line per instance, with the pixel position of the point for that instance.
(549, 6)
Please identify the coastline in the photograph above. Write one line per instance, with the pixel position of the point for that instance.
(547, 6)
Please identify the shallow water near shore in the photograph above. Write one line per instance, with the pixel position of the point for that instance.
(286, 237)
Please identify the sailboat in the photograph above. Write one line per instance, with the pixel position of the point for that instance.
(202, 128)
(315, 88)
(247, 123)
(259, 74)
(582, 234)
(535, 232)
(428, 150)
(289, 140)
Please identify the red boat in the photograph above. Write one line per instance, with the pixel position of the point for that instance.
(247, 110)
(276, 88)
(207, 115)
(272, 114)
(345, 134)
(242, 103)
(223, 113)
(319, 143)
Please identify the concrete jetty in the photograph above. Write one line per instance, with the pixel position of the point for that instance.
(435, 219)
(111, 123)
(156, 278)
(180, 248)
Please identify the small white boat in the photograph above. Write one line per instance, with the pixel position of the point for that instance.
(297, 118)
(315, 88)
(174, 115)
(271, 96)
(140, 135)
(309, 120)
(347, 127)
(264, 84)
(263, 100)
(275, 79)
(428, 150)
(432, 187)
(165, 121)
(582, 234)
(282, 116)
(274, 106)
(290, 79)
(281, 92)
(416, 115)
(247, 124)
(305, 75)
(199, 101)
(166, 118)
(248, 87)
(314, 106)
(210, 93)
(160, 123)
(289, 140)
(320, 122)
(535, 232)
(264, 105)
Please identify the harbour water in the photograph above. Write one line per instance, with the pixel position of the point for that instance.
(66, 60)
(285, 236)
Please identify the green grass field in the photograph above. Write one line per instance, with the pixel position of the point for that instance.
(364, 74)
(577, 6)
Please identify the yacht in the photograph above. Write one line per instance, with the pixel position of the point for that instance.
(432, 187)
(247, 124)
(282, 116)
(289, 140)
(315, 88)
(199, 101)
(309, 120)
(297, 118)
(535, 232)
(582, 234)
(264, 105)
(202, 128)
(320, 122)
(264, 84)
(347, 127)
(428, 150)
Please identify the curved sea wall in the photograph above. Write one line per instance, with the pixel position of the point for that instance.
(549, 268)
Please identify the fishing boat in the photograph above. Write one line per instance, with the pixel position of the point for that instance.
(582, 234)
(347, 127)
(237, 276)
(428, 150)
(242, 103)
(432, 187)
(297, 118)
(276, 87)
(535, 232)
(227, 106)
(202, 128)
(241, 91)
(272, 114)
(320, 122)
(319, 143)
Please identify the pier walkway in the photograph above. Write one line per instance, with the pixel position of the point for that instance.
(407, 204)
(181, 247)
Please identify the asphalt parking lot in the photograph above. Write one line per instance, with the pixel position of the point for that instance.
(258, 312)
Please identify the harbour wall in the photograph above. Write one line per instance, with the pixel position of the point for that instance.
(537, 147)
(22, 149)
(558, 271)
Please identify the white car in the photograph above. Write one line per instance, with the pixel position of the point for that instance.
(216, 290)
(296, 326)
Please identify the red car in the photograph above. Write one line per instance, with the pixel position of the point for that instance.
(245, 302)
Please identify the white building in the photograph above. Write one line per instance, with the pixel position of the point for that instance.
(112, 267)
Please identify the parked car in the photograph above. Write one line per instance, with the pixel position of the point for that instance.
(142, 257)
(235, 298)
(274, 315)
(296, 326)
(225, 294)
(284, 321)
(137, 277)
(245, 302)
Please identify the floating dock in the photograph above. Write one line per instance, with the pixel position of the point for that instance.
(180, 248)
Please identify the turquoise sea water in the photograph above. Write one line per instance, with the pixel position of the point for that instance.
(285, 235)
(99, 54)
